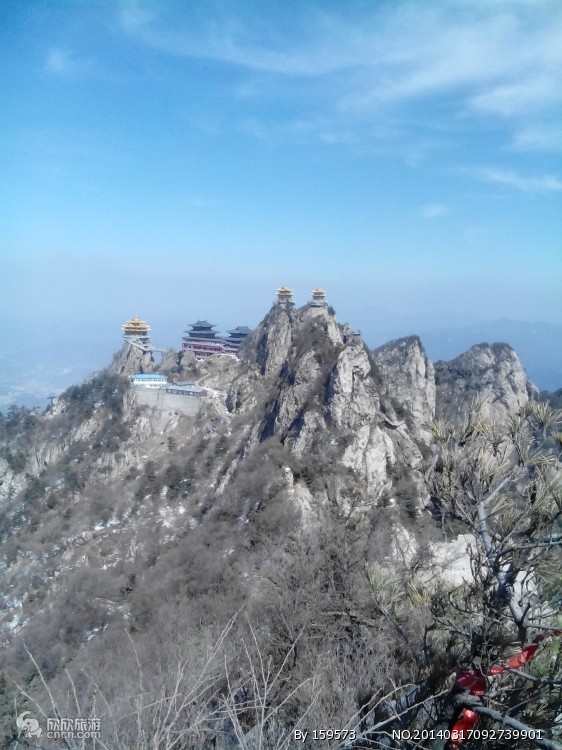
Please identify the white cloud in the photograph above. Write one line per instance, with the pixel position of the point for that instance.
(520, 98)
(433, 210)
(537, 137)
(469, 58)
(542, 183)
(63, 63)
(133, 17)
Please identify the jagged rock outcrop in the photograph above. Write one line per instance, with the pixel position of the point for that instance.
(169, 362)
(272, 339)
(217, 372)
(277, 340)
(186, 365)
(406, 381)
(314, 381)
(264, 354)
(491, 371)
(129, 360)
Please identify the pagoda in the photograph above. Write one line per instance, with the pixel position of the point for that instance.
(202, 340)
(136, 329)
(284, 295)
(235, 339)
(318, 298)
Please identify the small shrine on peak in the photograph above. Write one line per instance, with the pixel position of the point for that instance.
(318, 298)
(284, 294)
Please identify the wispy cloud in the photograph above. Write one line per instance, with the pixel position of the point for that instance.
(65, 64)
(541, 136)
(433, 211)
(471, 60)
(541, 183)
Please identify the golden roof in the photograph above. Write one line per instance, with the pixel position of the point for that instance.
(284, 291)
(136, 325)
(318, 294)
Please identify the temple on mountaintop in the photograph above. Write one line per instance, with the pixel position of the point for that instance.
(318, 298)
(203, 341)
(236, 338)
(285, 295)
(136, 329)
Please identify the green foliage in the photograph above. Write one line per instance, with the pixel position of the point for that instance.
(34, 491)
(72, 479)
(313, 336)
(10, 699)
(18, 421)
(221, 446)
(150, 483)
(101, 390)
(374, 370)
(202, 447)
(173, 479)
(15, 460)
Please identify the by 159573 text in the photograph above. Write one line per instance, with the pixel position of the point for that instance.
(324, 735)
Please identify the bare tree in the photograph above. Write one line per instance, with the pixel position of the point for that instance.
(501, 485)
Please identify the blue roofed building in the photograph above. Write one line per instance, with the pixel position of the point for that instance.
(185, 388)
(149, 380)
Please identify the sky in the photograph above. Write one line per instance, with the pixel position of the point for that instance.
(181, 160)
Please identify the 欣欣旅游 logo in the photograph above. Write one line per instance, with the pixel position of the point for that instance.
(29, 727)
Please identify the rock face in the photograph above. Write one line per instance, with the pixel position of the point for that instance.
(491, 371)
(307, 412)
(312, 380)
(169, 362)
(130, 360)
(407, 383)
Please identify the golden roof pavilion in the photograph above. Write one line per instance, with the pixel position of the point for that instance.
(284, 294)
(135, 327)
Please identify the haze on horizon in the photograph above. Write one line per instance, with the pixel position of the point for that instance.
(182, 160)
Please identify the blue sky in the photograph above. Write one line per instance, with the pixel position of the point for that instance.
(180, 160)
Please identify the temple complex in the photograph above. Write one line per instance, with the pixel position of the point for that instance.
(235, 339)
(202, 340)
(136, 329)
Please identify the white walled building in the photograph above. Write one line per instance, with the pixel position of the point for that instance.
(149, 380)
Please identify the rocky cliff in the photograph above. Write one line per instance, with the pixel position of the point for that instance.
(307, 415)
(406, 380)
(296, 492)
(131, 359)
(491, 371)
